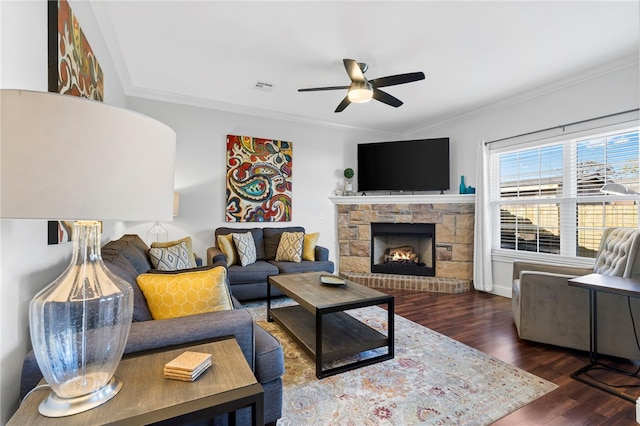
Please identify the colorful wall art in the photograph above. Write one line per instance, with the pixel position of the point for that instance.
(73, 68)
(258, 180)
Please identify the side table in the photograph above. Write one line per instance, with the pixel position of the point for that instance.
(607, 284)
(148, 398)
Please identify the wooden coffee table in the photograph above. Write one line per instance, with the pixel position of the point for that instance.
(321, 327)
(148, 398)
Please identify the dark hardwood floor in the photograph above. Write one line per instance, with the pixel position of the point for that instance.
(484, 321)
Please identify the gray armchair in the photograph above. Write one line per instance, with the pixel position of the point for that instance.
(547, 310)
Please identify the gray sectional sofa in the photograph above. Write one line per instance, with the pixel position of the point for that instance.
(127, 257)
(250, 281)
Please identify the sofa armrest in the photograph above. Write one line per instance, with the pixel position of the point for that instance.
(547, 309)
(576, 271)
(214, 254)
(155, 334)
(322, 253)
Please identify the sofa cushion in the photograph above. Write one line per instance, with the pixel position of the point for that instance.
(170, 258)
(245, 247)
(290, 247)
(258, 237)
(188, 242)
(129, 249)
(617, 252)
(309, 246)
(121, 267)
(228, 248)
(186, 293)
(257, 272)
(304, 266)
(272, 239)
(136, 241)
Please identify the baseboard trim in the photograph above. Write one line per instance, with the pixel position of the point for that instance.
(501, 291)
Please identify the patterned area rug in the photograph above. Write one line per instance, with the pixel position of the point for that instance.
(432, 380)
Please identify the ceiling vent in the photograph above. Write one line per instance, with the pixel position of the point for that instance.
(261, 85)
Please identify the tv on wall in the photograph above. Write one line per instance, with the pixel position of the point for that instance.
(414, 165)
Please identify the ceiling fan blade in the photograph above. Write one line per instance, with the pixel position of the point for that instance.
(353, 69)
(316, 89)
(345, 103)
(392, 80)
(386, 98)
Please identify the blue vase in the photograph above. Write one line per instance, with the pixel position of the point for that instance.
(463, 188)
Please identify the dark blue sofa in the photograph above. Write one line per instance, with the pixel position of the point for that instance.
(127, 257)
(250, 282)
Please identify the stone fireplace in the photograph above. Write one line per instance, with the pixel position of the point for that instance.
(403, 248)
(452, 219)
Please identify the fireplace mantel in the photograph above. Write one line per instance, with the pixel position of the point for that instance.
(405, 199)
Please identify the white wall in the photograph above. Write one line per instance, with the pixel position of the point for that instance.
(596, 93)
(27, 263)
(320, 154)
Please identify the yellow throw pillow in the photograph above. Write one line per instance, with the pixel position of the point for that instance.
(309, 246)
(187, 241)
(290, 247)
(228, 248)
(186, 293)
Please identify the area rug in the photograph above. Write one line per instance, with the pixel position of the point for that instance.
(433, 380)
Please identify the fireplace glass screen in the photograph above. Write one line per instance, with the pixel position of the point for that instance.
(403, 248)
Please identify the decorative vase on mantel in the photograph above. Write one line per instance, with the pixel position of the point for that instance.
(463, 187)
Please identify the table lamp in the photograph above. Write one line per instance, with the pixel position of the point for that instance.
(69, 158)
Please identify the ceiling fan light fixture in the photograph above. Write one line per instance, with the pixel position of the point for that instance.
(360, 93)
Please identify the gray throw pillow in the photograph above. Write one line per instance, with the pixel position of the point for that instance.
(245, 247)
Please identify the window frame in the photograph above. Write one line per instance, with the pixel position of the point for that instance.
(568, 202)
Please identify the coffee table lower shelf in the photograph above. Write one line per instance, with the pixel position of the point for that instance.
(341, 336)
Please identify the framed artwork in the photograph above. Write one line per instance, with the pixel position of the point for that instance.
(73, 67)
(258, 179)
(59, 231)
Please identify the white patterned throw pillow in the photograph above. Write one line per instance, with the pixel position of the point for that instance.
(290, 247)
(172, 258)
(246, 248)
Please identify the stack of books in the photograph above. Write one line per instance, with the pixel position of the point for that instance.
(188, 366)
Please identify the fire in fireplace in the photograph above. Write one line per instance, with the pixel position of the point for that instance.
(403, 248)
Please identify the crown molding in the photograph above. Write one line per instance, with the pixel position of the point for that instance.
(593, 73)
(251, 111)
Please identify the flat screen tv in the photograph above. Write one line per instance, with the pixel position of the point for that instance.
(414, 165)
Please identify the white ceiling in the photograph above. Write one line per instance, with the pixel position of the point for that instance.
(474, 54)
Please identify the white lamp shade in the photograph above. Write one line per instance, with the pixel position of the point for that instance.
(64, 157)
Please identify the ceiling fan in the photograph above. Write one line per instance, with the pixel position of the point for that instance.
(362, 90)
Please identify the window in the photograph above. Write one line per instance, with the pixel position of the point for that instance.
(547, 198)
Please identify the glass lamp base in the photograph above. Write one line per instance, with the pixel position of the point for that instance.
(54, 406)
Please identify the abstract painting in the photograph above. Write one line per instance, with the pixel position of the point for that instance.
(59, 231)
(73, 67)
(258, 179)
